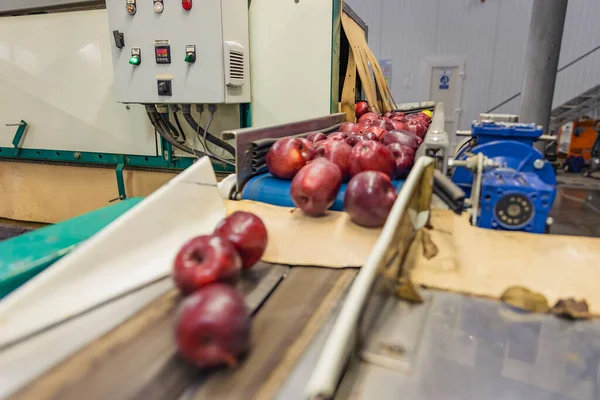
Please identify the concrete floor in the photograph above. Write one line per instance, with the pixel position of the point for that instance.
(576, 209)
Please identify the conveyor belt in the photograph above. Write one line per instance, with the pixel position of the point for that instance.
(138, 359)
(268, 189)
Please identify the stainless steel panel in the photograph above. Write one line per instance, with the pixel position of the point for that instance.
(375, 282)
(471, 348)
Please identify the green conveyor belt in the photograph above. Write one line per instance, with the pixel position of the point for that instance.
(25, 256)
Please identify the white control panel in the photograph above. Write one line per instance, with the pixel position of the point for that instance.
(180, 51)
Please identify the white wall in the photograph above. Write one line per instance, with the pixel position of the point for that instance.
(492, 36)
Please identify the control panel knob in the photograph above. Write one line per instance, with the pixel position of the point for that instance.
(190, 54)
(131, 7)
(136, 56)
(190, 58)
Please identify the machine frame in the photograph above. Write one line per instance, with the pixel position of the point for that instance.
(166, 158)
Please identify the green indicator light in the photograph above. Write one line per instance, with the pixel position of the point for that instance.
(134, 60)
(190, 58)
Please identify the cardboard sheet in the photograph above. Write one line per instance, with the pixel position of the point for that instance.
(485, 262)
(297, 239)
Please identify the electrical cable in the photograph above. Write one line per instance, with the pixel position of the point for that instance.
(162, 130)
(170, 127)
(187, 114)
(211, 154)
(179, 128)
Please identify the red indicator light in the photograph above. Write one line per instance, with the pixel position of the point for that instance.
(186, 4)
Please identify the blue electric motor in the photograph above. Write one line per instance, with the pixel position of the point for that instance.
(519, 192)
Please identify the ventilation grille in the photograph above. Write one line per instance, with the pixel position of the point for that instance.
(235, 60)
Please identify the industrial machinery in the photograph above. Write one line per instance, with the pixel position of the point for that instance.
(511, 186)
(102, 312)
(594, 162)
(255, 183)
(147, 85)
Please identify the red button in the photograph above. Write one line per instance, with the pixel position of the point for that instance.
(186, 4)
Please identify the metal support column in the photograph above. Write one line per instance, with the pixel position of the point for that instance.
(543, 50)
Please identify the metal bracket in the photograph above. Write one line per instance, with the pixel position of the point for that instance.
(18, 135)
(120, 183)
(476, 192)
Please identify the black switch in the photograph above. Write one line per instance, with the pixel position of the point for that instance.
(119, 39)
(164, 88)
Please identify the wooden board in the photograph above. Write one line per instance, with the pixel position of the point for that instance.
(138, 359)
(485, 262)
(53, 193)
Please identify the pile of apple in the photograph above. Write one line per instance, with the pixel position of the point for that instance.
(369, 154)
(212, 325)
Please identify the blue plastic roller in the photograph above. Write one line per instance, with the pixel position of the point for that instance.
(268, 189)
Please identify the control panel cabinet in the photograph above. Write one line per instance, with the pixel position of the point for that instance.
(180, 51)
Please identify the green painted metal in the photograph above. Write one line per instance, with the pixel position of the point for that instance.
(104, 159)
(18, 135)
(166, 160)
(25, 256)
(336, 29)
(245, 115)
(167, 150)
(121, 181)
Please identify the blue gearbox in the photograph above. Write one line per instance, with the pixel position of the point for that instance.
(518, 194)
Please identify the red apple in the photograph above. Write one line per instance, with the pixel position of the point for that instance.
(307, 143)
(369, 198)
(315, 187)
(378, 131)
(399, 125)
(348, 127)
(364, 125)
(370, 155)
(404, 137)
(287, 156)
(384, 123)
(371, 136)
(419, 117)
(337, 152)
(212, 327)
(353, 139)
(422, 115)
(369, 116)
(338, 136)
(247, 233)
(316, 137)
(203, 260)
(399, 119)
(361, 108)
(417, 128)
(405, 158)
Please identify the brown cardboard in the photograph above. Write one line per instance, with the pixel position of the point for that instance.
(297, 239)
(485, 262)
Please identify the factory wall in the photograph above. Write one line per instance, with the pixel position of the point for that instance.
(492, 38)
